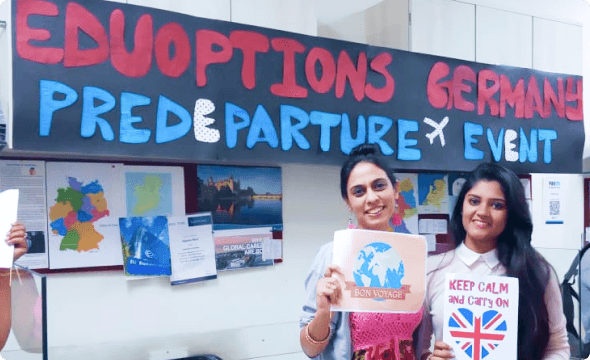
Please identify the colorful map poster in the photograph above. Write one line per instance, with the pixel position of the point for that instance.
(146, 246)
(154, 190)
(81, 197)
(407, 203)
(433, 194)
(481, 316)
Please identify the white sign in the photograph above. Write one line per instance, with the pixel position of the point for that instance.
(192, 251)
(481, 316)
(553, 200)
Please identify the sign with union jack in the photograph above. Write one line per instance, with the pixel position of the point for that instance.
(481, 316)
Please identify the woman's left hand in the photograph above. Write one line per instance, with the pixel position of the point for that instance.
(18, 237)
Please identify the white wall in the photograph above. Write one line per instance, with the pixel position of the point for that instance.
(254, 313)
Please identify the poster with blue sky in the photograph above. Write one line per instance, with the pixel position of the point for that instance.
(241, 196)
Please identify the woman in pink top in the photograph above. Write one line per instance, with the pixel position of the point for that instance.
(367, 185)
(491, 226)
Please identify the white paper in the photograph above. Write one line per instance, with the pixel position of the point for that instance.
(431, 242)
(29, 177)
(8, 211)
(481, 316)
(554, 200)
(433, 226)
(192, 249)
(272, 249)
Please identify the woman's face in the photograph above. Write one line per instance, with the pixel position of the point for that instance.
(371, 196)
(484, 215)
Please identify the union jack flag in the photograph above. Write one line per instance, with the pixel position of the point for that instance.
(477, 336)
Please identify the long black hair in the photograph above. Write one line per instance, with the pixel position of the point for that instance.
(363, 153)
(517, 255)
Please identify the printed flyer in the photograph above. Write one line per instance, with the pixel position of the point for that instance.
(383, 271)
(481, 316)
(146, 246)
(241, 248)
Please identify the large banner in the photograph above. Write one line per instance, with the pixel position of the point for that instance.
(115, 79)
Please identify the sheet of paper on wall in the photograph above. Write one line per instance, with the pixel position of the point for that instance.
(554, 200)
(29, 177)
(3, 129)
(481, 316)
(8, 215)
(433, 226)
(526, 184)
(430, 241)
(80, 198)
(154, 190)
(383, 271)
(272, 249)
(241, 248)
(192, 250)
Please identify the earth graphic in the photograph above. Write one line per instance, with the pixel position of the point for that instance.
(378, 265)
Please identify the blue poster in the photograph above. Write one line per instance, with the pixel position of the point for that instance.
(146, 245)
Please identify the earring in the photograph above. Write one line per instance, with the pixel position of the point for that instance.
(396, 207)
(351, 221)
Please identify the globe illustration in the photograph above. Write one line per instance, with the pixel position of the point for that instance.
(378, 265)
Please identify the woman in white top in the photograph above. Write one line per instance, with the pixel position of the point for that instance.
(491, 226)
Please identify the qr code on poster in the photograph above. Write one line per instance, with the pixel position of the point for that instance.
(554, 208)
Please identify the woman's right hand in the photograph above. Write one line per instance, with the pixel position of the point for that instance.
(328, 288)
(441, 351)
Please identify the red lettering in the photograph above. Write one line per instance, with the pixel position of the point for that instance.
(485, 94)
(250, 43)
(503, 288)
(357, 76)
(328, 64)
(514, 98)
(574, 113)
(139, 62)
(24, 33)
(532, 100)
(453, 285)
(172, 34)
(289, 87)
(79, 18)
(439, 92)
(461, 73)
(379, 65)
(549, 98)
(207, 56)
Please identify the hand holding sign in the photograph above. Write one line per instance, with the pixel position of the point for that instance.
(481, 317)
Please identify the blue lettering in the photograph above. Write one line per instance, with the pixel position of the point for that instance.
(326, 122)
(347, 142)
(129, 134)
(525, 150)
(290, 132)
(165, 133)
(546, 136)
(404, 145)
(261, 122)
(90, 113)
(496, 145)
(232, 127)
(375, 135)
(469, 131)
(48, 105)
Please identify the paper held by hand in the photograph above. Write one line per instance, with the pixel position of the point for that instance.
(8, 211)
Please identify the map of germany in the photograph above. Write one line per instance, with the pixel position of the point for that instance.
(75, 210)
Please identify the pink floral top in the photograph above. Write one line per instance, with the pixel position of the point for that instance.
(383, 335)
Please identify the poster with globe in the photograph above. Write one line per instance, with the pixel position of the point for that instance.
(383, 271)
